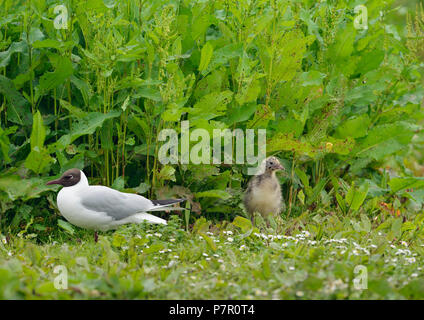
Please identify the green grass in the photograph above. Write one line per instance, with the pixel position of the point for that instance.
(342, 108)
(316, 261)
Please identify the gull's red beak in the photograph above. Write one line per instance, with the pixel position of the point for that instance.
(57, 181)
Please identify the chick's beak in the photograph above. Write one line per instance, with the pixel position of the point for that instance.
(280, 167)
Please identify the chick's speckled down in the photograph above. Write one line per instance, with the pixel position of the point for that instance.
(263, 194)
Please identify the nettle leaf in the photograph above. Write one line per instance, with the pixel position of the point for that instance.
(18, 110)
(84, 126)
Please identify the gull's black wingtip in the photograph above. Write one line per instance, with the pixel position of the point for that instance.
(166, 202)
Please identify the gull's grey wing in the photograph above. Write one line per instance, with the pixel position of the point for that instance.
(115, 204)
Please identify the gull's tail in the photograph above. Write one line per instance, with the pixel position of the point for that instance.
(140, 217)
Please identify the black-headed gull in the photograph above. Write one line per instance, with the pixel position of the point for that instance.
(102, 208)
(263, 194)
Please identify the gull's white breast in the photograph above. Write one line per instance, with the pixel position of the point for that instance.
(70, 207)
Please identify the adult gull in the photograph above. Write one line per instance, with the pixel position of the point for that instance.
(102, 208)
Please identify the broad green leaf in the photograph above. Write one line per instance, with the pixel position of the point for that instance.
(355, 197)
(397, 227)
(213, 194)
(210, 106)
(208, 240)
(110, 3)
(5, 143)
(199, 25)
(38, 159)
(398, 184)
(18, 188)
(35, 34)
(243, 223)
(74, 111)
(84, 126)
(355, 128)
(206, 55)
(222, 55)
(366, 224)
(241, 113)
(149, 93)
(66, 226)
(312, 78)
(15, 47)
(38, 133)
(385, 139)
(18, 109)
(167, 173)
(51, 80)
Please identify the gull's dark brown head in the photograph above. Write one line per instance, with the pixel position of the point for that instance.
(68, 179)
(272, 164)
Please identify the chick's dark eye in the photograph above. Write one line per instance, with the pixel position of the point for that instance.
(68, 177)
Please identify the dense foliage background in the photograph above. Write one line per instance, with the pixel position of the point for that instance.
(338, 104)
(341, 106)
